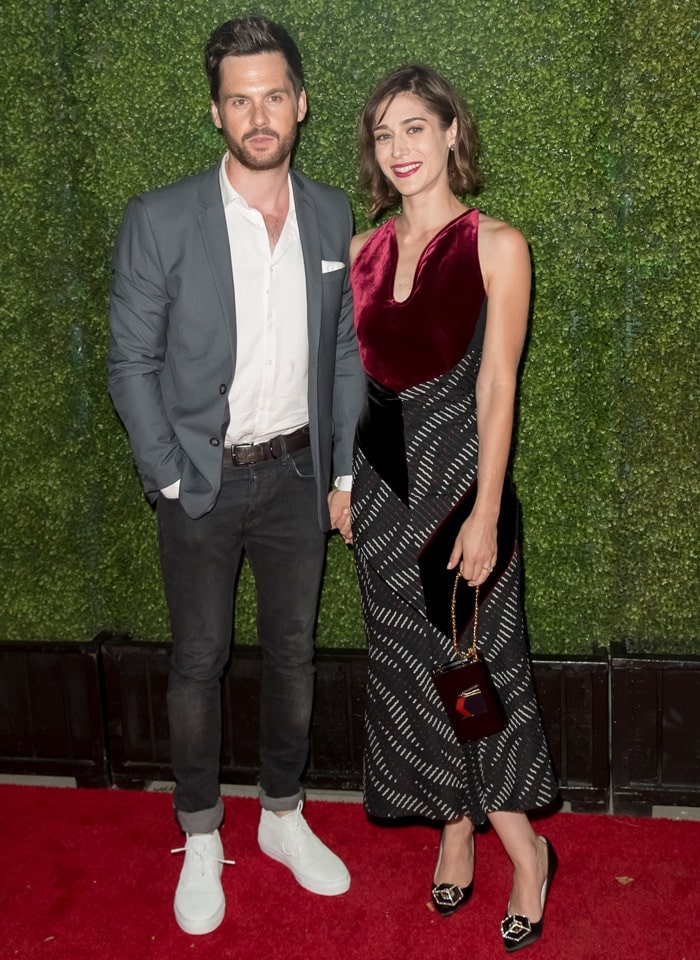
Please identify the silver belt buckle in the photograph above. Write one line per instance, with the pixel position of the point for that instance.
(239, 446)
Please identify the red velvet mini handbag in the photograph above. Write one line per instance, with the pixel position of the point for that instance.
(465, 686)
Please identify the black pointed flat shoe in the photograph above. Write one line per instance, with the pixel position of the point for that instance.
(448, 898)
(518, 931)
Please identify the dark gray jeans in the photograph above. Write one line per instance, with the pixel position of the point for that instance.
(269, 511)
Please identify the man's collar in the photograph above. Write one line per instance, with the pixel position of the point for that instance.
(229, 193)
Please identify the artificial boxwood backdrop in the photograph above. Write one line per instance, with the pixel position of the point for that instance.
(588, 114)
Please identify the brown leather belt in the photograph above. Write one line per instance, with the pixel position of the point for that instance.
(245, 454)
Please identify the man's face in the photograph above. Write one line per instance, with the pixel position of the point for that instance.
(257, 111)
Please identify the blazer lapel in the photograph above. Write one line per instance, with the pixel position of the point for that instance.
(212, 224)
(307, 220)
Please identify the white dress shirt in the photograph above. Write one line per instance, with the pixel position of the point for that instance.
(269, 393)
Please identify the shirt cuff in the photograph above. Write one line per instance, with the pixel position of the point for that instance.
(172, 491)
(343, 483)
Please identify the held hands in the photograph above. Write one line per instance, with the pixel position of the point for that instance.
(474, 550)
(339, 507)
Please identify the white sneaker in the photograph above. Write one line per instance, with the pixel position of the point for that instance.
(199, 899)
(290, 840)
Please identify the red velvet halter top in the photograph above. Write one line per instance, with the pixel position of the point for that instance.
(404, 343)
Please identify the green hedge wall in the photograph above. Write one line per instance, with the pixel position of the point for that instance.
(588, 120)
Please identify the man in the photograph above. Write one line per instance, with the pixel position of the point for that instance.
(233, 365)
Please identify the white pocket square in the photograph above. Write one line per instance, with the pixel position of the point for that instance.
(328, 266)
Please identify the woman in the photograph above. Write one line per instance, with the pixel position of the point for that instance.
(441, 302)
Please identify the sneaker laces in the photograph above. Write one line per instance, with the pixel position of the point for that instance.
(298, 828)
(201, 855)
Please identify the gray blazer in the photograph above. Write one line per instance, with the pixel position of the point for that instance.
(172, 351)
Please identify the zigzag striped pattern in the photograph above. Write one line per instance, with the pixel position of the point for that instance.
(414, 765)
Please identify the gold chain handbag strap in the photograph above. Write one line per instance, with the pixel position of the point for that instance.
(471, 653)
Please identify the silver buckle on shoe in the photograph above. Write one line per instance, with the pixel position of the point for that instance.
(448, 896)
(515, 927)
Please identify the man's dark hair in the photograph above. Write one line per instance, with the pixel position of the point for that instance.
(245, 37)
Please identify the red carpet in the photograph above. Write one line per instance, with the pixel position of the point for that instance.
(88, 874)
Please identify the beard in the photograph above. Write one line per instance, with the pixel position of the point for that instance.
(252, 160)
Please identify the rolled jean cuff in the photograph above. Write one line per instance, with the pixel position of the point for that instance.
(201, 821)
(279, 804)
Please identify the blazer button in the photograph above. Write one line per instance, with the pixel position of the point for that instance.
(222, 389)
(214, 441)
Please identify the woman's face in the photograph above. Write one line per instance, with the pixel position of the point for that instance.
(410, 146)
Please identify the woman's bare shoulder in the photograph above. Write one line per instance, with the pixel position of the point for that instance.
(504, 254)
(358, 242)
(499, 234)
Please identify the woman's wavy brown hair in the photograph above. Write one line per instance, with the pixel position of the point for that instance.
(440, 98)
